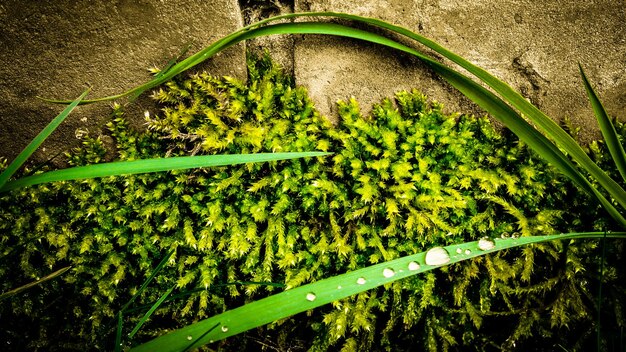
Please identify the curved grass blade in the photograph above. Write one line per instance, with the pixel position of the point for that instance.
(310, 296)
(36, 142)
(151, 165)
(606, 126)
(34, 283)
(154, 307)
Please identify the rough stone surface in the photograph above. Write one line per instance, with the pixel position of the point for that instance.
(280, 47)
(56, 48)
(534, 47)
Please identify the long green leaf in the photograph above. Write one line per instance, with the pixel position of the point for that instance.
(34, 283)
(149, 313)
(606, 126)
(36, 142)
(151, 165)
(310, 296)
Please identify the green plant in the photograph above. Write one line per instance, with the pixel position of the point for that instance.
(437, 180)
(501, 110)
(369, 160)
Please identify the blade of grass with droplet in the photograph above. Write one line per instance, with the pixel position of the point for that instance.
(310, 296)
(34, 283)
(149, 313)
(194, 342)
(606, 126)
(36, 142)
(152, 165)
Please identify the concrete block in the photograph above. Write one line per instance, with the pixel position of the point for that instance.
(56, 48)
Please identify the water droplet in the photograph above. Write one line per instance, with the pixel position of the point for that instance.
(189, 337)
(459, 250)
(224, 328)
(504, 235)
(339, 287)
(437, 256)
(468, 252)
(515, 235)
(388, 272)
(414, 266)
(486, 244)
(311, 296)
(361, 281)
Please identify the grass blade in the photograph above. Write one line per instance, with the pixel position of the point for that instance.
(606, 126)
(310, 296)
(151, 165)
(150, 312)
(36, 142)
(34, 283)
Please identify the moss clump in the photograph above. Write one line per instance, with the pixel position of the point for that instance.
(405, 179)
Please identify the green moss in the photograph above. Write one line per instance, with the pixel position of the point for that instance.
(402, 180)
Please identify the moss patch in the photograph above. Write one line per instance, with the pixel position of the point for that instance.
(402, 180)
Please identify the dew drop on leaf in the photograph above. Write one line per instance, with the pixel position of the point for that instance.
(486, 244)
(361, 281)
(437, 256)
(311, 296)
(414, 266)
(459, 250)
(189, 337)
(468, 252)
(388, 272)
(224, 328)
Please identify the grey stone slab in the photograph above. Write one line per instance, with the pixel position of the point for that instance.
(56, 48)
(533, 46)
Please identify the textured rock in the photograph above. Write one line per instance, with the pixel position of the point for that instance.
(533, 47)
(56, 48)
(280, 47)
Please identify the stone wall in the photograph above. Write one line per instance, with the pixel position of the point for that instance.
(56, 49)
